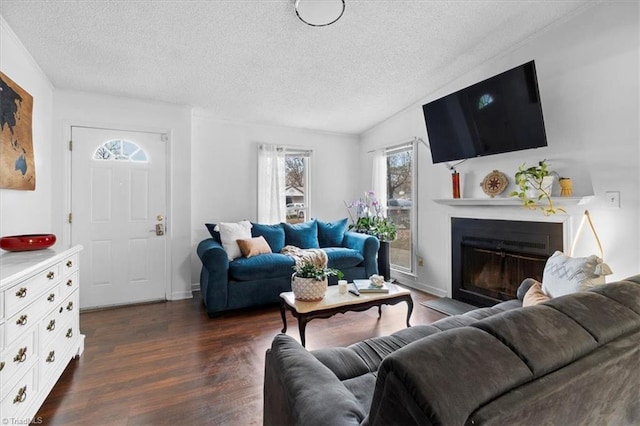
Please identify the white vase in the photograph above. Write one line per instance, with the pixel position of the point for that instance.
(547, 185)
(308, 289)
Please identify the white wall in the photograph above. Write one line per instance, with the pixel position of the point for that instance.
(588, 76)
(76, 108)
(28, 212)
(224, 172)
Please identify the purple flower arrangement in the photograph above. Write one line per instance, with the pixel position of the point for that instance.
(370, 218)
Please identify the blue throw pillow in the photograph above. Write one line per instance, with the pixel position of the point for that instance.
(274, 234)
(214, 234)
(302, 235)
(331, 234)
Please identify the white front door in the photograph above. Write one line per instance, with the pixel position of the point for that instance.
(118, 207)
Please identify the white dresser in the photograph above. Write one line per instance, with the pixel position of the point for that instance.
(39, 327)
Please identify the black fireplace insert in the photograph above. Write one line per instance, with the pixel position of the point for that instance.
(490, 258)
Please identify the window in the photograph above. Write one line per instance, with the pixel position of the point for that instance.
(120, 150)
(283, 184)
(297, 185)
(400, 201)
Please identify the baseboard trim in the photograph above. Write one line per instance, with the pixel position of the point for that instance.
(425, 288)
(181, 295)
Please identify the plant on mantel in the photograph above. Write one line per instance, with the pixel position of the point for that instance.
(535, 189)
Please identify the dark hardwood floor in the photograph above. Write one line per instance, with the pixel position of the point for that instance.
(168, 363)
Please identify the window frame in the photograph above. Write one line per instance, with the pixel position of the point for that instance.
(306, 154)
(395, 149)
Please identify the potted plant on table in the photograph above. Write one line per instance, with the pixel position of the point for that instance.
(534, 188)
(370, 219)
(309, 281)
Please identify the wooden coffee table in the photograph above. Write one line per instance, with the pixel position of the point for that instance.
(336, 303)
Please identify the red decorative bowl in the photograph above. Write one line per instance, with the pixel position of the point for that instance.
(27, 242)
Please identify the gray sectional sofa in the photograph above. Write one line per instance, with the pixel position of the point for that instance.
(573, 360)
(259, 280)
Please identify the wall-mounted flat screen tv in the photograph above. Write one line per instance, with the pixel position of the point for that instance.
(500, 114)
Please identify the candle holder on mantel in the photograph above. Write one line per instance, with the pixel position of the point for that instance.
(455, 182)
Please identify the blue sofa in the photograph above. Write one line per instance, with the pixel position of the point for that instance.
(259, 280)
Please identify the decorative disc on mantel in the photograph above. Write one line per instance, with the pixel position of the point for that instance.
(494, 183)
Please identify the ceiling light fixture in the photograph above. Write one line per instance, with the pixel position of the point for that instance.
(319, 13)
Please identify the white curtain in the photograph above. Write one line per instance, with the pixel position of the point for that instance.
(271, 184)
(379, 178)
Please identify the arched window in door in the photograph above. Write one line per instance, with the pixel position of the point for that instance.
(121, 150)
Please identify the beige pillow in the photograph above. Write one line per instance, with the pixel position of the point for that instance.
(534, 295)
(253, 246)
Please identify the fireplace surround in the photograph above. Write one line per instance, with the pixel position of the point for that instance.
(490, 258)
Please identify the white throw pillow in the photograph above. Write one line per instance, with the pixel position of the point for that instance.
(565, 274)
(230, 232)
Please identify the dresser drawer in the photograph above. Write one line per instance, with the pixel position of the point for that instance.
(20, 295)
(18, 324)
(69, 284)
(69, 265)
(17, 359)
(18, 397)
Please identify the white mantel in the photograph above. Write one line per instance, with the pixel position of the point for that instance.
(509, 202)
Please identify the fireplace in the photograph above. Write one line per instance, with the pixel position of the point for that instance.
(490, 258)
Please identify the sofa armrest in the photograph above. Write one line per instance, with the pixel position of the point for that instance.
(214, 276)
(300, 390)
(368, 245)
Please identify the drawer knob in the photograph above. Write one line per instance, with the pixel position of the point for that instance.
(22, 320)
(69, 333)
(69, 264)
(52, 356)
(69, 283)
(70, 306)
(21, 396)
(52, 325)
(1, 365)
(21, 293)
(51, 297)
(51, 275)
(21, 356)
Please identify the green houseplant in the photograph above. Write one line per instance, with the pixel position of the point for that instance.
(309, 281)
(370, 219)
(534, 188)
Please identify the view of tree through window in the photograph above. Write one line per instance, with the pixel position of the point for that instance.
(120, 150)
(296, 175)
(400, 204)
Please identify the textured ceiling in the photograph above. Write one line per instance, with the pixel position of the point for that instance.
(254, 61)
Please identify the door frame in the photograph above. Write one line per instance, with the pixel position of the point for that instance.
(66, 202)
